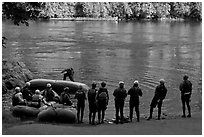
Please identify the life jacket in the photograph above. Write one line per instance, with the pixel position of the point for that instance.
(102, 96)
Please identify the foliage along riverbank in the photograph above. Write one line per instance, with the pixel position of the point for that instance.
(20, 12)
(123, 10)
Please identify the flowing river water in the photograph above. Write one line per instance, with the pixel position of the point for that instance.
(111, 52)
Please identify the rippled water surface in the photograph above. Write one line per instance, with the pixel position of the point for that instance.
(146, 51)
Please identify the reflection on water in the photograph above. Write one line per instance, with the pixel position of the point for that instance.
(98, 51)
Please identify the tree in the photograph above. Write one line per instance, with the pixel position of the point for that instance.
(20, 12)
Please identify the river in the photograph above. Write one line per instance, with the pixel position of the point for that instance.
(111, 52)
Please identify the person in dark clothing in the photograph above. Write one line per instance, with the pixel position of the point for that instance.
(159, 96)
(49, 94)
(69, 73)
(102, 99)
(134, 93)
(186, 91)
(120, 94)
(81, 97)
(27, 94)
(17, 98)
(92, 103)
(65, 97)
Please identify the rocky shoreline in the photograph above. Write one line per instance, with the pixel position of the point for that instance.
(14, 73)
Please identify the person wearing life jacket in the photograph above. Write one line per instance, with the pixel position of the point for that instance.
(69, 73)
(17, 98)
(81, 97)
(159, 96)
(65, 97)
(27, 94)
(102, 99)
(120, 94)
(134, 93)
(36, 99)
(186, 91)
(92, 103)
(49, 94)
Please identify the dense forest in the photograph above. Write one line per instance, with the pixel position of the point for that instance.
(20, 12)
(123, 10)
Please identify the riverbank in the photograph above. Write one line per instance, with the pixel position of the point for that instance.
(169, 126)
(14, 73)
(85, 19)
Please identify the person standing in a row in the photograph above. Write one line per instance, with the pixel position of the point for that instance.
(120, 94)
(102, 99)
(81, 97)
(92, 103)
(186, 91)
(134, 93)
(159, 96)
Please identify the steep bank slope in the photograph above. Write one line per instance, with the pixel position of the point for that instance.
(14, 73)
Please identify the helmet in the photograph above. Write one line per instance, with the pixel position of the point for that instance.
(185, 77)
(136, 82)
(103, 84)
(27, 84)
(48, 85)
(162, 81)
(121, 82)
(37, 91)
(17, 89)
(66, 89)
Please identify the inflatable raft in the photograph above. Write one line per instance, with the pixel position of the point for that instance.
(25, 111)
(64, 115)
(57, 85)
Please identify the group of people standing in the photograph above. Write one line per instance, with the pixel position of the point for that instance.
(98, 100)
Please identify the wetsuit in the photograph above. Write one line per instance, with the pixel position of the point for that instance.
(49, 95)
(134, 93)
(27, 94)
(17, 99)
(92, 105)
(102, 98)
(160, 94)
(69, 73)
(65, 99)
(120, 94)
(81, 97)
(186, 91)
(36, 100)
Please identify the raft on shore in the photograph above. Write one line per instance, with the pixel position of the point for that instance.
(57, 85)
(64, 115)
(25, 111)
(55, 112)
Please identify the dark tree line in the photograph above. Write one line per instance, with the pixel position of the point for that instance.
(123, 10)
(21, 12)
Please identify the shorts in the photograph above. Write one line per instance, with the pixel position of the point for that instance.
(102, 105)
(156, 102)
(186, 98)
(92, 107)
